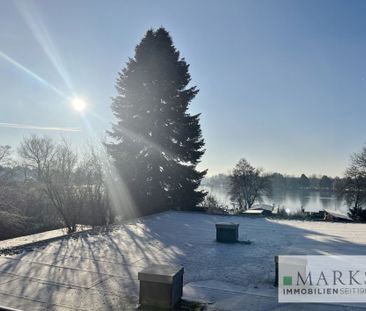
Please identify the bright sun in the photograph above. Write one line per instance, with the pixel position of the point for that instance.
(78, 104)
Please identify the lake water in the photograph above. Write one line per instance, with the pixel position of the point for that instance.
(292, 201)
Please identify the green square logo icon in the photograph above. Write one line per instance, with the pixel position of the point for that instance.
(287, 280)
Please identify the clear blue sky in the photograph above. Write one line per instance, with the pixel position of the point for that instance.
(282, 83)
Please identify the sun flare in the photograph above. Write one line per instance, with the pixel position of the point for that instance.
(78, 104)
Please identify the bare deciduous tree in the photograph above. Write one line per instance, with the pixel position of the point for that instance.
(13, 203)
(90, 178)
(6, 180)
(55, 165)
(75, 189)
(4, 154)
(248, 184)
(57, 176)
(37, 153)
(354, 186)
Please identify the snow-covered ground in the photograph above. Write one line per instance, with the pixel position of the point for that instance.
(37, 237)
(99, 271)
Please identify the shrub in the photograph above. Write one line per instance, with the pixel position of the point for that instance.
(211, 205)
(12, 225)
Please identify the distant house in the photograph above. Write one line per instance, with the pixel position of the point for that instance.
(253, 212)
(330, 215)
(315, 215)
(260, 209)
(260, 206)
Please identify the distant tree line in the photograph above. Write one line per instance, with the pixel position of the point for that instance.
(283, 182)
(303, 182)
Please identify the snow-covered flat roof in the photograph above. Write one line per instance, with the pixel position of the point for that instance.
(99, 271)
(253, 212)
(337, 214)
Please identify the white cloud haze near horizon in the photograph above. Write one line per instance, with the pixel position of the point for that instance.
(38, 127)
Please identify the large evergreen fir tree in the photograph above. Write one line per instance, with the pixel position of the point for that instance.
(156, 142)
